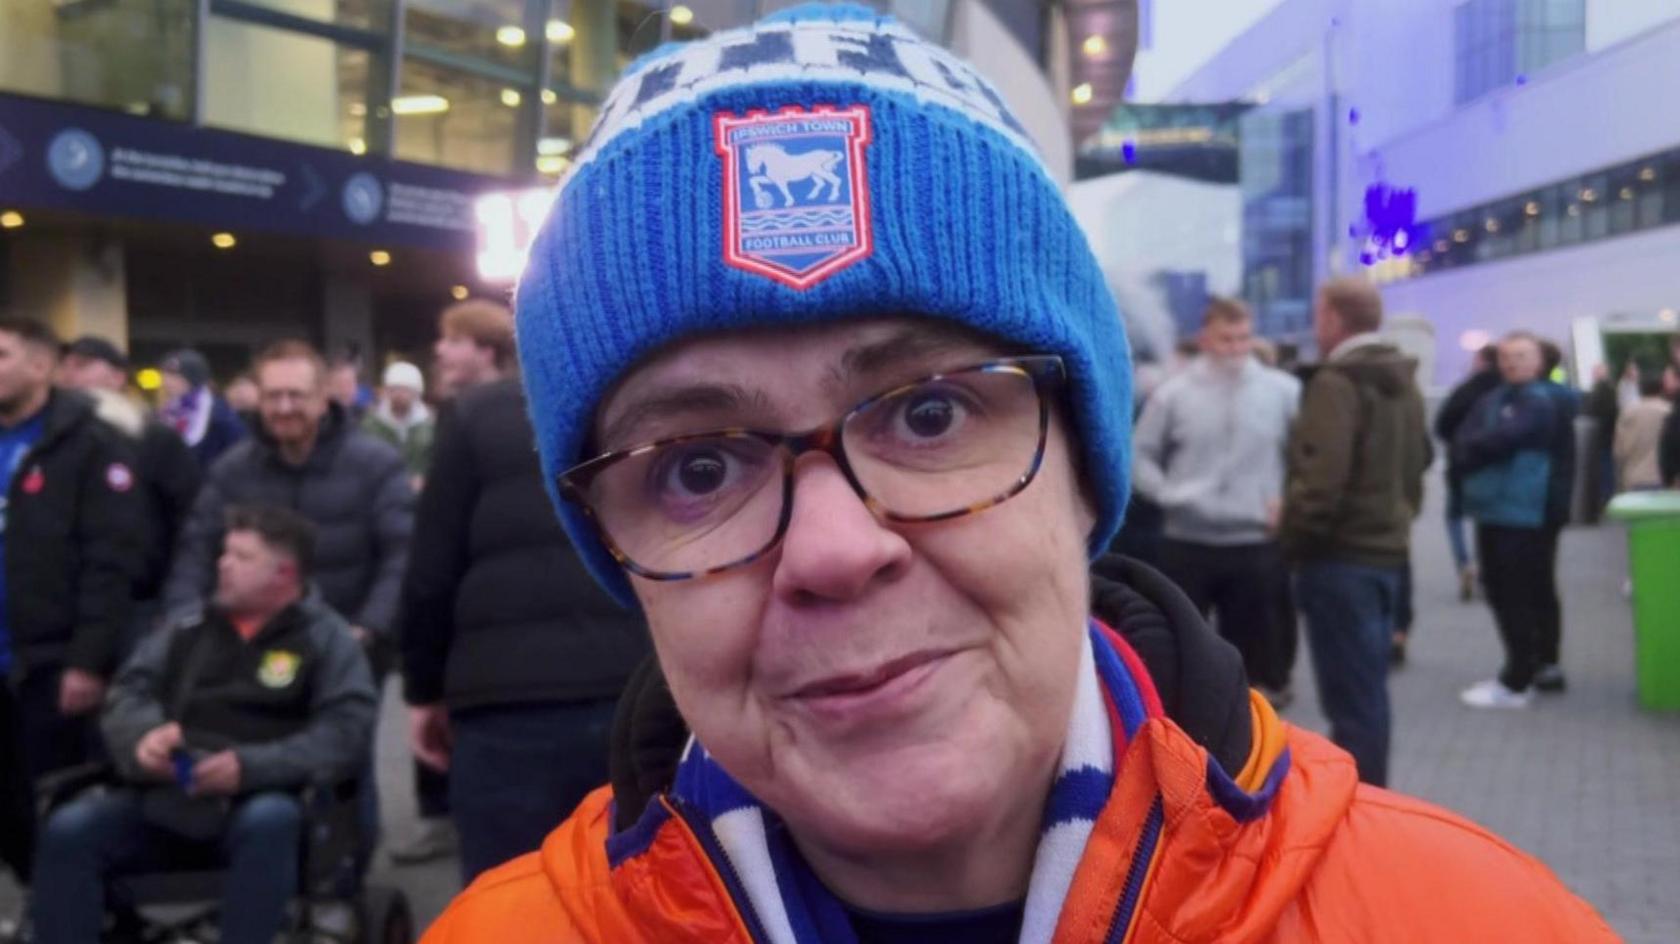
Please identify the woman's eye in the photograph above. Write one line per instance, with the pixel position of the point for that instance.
(699, 472)
(929, 415)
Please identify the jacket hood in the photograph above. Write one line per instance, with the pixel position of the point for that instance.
(1198, 675)
(1380, 367)
(119, 412)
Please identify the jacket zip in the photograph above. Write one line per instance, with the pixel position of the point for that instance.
(719, 859)
(1142, 856)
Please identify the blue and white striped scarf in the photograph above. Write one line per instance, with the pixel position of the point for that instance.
(782, 902)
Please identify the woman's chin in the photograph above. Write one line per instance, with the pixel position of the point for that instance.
(895, 808)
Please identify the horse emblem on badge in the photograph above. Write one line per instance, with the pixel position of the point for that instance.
(795, 192)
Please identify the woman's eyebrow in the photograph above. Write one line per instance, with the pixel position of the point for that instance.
(906, 346)
(679, 401)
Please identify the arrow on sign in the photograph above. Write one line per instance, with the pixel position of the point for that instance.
(313, 190)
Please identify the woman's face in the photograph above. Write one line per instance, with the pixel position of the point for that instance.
(886, 688)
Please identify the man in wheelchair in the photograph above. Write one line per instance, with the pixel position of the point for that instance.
(216, 727)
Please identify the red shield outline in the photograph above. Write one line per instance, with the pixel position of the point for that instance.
(863, 241)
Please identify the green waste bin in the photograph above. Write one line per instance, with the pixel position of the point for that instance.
(1653, 520)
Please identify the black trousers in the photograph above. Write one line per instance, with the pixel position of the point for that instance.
(1519, 575)
(35, 740)
(1245, 589)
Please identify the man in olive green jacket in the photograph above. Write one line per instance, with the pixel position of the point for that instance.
(1355, 482)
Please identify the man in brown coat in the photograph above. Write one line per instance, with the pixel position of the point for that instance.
(1355, 482)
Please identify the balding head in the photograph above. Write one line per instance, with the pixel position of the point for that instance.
(1345, 307)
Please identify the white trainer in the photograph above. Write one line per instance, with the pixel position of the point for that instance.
(1492, 693)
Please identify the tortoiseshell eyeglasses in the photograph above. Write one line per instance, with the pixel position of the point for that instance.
(941, 447)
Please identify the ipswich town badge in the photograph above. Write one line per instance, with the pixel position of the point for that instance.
(795, 192)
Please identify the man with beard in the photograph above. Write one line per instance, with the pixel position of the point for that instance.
(1210, 451)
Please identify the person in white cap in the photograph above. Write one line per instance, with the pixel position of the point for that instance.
(402, 418)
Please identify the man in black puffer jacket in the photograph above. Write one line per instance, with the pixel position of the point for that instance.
(513, 658)
(309, 459)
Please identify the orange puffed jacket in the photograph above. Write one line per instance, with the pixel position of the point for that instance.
(1300, 852)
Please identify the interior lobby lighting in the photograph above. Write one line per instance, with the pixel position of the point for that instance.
(1492, 225)
(1532, 208)
(511, 36)
(1588, 195)
(553, 146)
(358, 110)
(1647, 174)
(379, 257)
(1441, 245)
(559, 31)
(1574, 209)
(1461, 235)
(552, 163)
(459, 293)
(1095, 46)
(1627, 193)
(681, 15)
(549, 97)
(148, 378)
(1668, 316)
(419, 105)
(223, 241)
(11, 219)
(510, 97)
(1082, 93)
(357, 146)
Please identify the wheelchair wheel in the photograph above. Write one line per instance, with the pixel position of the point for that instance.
(385, 916)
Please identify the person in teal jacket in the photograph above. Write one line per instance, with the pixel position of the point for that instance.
(1504, 453)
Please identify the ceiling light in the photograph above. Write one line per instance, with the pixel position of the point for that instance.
(1532, 208)
(1082, 93)
(1588, 195)
(552, 164)
(1492, 225)
(549, 97)
(681, 15)
(549, 147)
(1095, 46)
(419, 105)
(379, 257)
(1461, 235)
(510, 97)
(511, 36)
(1627, 193)
(11, 219)
(1574, 209)
(1647, 174)
(358, 110)
(1442, 245)
(357, 146)
(459, 293)
(1668, 316)
(559, 31)
(223, 241)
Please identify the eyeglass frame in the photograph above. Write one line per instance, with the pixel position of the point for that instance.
(1043, 370)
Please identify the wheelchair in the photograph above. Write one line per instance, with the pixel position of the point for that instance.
(181, 905)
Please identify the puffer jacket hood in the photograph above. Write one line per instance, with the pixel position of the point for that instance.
(1381, 367)
(1299, 852)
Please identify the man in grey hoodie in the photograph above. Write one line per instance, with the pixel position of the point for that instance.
(1209, 449)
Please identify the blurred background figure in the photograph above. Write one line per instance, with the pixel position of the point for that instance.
(168, 475)
(242, 394)
(1484, 376)
(401, 418)
(1209, 450)
(344, 385)
(1504, 451)
(1668, 450)
(191, 408)
(1600, 468)
(513, 657)
(71, 531)
(1355, 482)
(1639, 434)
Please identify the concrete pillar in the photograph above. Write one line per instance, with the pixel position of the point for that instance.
(593, 56)
(74, 283)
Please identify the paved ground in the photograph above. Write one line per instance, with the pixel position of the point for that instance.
(1585, 781)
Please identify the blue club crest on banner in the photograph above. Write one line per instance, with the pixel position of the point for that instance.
(795, 192)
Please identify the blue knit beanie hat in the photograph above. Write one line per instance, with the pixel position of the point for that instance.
(823, 164)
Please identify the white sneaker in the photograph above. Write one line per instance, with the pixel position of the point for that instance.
(1493, 694)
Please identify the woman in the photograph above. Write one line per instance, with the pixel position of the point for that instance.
(850, 461)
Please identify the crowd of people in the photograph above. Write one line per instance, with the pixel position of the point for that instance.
(201, 602)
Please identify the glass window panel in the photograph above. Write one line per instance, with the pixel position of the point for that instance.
(488, 30)
(564, 126)
(364, 14)
(287, 85)
(129, 54)
(455, 119)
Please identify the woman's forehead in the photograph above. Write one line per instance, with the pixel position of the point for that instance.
(772, 366)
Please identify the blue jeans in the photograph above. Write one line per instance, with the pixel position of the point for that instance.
(101, 835)
(1350, 611)
(517, 772)
(1458, 538)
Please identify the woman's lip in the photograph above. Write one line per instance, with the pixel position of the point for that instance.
(873, 696)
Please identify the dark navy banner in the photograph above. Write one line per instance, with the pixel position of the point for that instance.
(68, 157)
